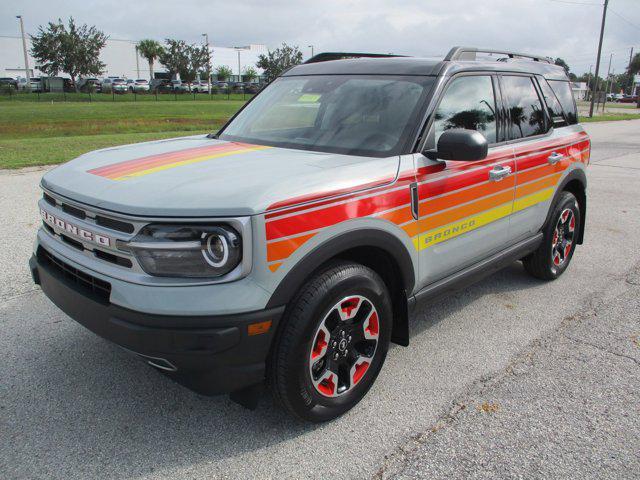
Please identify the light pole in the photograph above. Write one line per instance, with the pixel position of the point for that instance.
(589, 81)
(137, 62)
(606, 92)
(311, 47)
(238, 49)
(24, 49)
(206, 39)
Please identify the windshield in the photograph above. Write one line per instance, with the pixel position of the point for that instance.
(354, 114)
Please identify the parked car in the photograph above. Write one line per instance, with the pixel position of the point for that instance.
(222, 85)
(34, 84)
(374, 184)
(161, 85)
(251, 88)
(90, 85)
(138, 86)
(9, 83)
(114, 85)
(628, 99)
(68, 85)
(200, 87)
(178, 87)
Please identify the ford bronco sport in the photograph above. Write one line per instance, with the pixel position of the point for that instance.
(289, 248)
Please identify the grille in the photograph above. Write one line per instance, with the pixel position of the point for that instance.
(101, 220)
(98, 288)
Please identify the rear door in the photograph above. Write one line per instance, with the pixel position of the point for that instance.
(540, 144)
(464, 207)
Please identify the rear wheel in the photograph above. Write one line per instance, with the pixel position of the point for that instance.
(333, 342)
(552, 257)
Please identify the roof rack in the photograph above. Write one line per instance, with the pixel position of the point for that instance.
(470, 53)
(328, 56)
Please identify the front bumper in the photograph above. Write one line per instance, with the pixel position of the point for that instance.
(209, 354)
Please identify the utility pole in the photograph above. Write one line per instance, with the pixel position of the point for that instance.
(311, 47)
(589, 81)
(27, 75)
(206, 39)
(629, 70)
(606, 91)
(595, 84)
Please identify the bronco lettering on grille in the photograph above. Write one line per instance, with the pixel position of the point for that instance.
(83, 234)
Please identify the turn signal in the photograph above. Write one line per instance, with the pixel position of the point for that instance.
(259, 328)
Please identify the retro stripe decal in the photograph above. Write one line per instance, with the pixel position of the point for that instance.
(156, 163)
(451, 202)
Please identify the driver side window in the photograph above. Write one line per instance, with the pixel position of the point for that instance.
(468, 102)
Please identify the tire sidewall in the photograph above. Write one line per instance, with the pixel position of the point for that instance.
(567, 200)
(303, 397)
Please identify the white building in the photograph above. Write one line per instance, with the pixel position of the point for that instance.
(121, 59)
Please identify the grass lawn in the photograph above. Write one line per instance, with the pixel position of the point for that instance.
(34, 133)
(611, 117)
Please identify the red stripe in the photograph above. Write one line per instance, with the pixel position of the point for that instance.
(164, 158)
(331, 215)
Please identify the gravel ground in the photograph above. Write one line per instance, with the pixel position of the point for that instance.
(75, 406)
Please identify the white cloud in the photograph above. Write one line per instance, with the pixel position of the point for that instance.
(409, 26)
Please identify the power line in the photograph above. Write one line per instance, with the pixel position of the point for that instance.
(623, 18)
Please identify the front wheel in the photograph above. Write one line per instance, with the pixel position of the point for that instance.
(553, 256)
(333, 342)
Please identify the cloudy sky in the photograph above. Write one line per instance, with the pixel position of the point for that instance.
(565, 28)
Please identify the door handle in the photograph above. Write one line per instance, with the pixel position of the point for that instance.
(498, 173)
(554, 158)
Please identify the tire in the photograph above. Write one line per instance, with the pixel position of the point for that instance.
(340, 321)
(554, 254)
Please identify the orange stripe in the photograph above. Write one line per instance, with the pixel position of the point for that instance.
(284, 248)
(530, 175)
(402, 215)
(152, 162)
(444, 218)
(464, 196)
(528, 189)
(275, 266)
(411, 229)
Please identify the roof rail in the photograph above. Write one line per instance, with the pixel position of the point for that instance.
(328, 56)
(470, 53)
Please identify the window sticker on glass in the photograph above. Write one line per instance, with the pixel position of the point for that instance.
(309, 97)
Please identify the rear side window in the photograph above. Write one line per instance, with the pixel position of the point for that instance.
(468, 103)
(563, 91)
(553, 105)
(524, 107)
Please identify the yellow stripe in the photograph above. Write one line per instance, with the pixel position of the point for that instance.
(465, 225)
(530, 200)
(187, 162)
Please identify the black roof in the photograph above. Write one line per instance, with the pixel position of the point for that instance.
(424, 67)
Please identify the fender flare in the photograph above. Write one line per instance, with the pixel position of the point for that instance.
(579, 175)
(333, 247)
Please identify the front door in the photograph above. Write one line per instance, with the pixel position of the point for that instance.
(464, 207)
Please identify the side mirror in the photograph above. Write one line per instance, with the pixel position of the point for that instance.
(460, 144)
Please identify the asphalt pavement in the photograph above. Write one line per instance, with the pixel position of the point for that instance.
(513, 377)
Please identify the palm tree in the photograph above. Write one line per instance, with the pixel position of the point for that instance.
(149, 49)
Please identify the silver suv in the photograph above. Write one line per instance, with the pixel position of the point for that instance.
(290, 247)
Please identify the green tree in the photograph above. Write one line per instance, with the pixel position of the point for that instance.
(223, 72)
(249, 74)
(149, 50)
(183, 59)
(279, 60)
(72, 49)
(560, 62)
(634, 66)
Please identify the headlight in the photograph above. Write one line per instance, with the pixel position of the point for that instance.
(187, 250)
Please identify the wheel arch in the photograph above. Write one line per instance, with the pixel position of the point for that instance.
(576, 183)
(379, 250)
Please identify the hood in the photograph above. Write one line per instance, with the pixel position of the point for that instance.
(200, 176)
